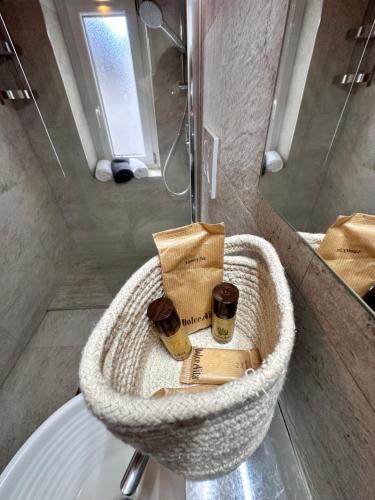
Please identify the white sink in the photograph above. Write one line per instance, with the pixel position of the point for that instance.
(72, 456)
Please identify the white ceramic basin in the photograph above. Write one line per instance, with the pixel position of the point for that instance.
(72, 456)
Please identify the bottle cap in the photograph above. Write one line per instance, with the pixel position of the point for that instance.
(162, 312)
(225, 299)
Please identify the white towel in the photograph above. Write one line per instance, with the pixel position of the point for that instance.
(103, 171)
(138, 168)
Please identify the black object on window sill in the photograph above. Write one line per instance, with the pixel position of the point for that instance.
(121, 171)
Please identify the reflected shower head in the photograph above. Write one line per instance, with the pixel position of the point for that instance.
(151, 15)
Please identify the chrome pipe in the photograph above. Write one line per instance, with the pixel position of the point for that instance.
(133, 474)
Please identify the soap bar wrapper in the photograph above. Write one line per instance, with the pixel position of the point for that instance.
(192, 259)
(218, 366)
(171, 391)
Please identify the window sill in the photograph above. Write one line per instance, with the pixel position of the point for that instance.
(154, 172)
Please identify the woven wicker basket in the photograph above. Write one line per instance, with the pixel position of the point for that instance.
(209, 433)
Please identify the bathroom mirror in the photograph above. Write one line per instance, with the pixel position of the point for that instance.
(319, 162)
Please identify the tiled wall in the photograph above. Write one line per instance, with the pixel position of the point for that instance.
(34, 239)
(111, 223)
(241, 50)
(329, 397)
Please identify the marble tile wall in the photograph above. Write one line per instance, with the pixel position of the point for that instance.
(239, 74)
(111, 224)
(34, 238)
(328, 401)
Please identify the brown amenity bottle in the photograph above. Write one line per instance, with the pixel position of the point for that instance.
(168, 324)
(224, 307)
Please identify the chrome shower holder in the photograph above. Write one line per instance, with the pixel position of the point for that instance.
(359, 78)
(14, 94)
(5, 48)
(362, 33)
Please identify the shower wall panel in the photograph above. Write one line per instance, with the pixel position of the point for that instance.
(111, 224)
(34, 239)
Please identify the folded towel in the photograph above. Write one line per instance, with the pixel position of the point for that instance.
(103, 171)
(121, 171)
(138, 168)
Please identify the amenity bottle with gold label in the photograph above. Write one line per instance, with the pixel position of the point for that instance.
(168, 324)
(224, 307)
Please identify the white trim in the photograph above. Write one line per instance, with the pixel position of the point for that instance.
(299, 41)
(71, 14)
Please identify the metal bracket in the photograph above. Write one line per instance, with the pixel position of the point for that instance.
(5, 48)
(13, 95)
(354, 79)
(362, 33)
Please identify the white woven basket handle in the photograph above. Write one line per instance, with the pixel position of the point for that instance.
(238, 244)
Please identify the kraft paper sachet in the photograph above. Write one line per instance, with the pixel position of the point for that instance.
(171, 391)
(192, 259)
(217, 366)
(349, 249)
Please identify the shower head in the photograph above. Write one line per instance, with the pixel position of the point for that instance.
(151, 15)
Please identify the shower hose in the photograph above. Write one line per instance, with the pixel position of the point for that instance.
(166, 163)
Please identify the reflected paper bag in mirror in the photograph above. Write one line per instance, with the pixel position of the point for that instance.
(349, 249)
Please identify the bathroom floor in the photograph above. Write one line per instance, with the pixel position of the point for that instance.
(87, 286)
(44, 377)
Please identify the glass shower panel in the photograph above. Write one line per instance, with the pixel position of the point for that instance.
(109, 43)
(110, 225)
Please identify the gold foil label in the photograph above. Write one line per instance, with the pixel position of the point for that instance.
(178, 344)
(222, 329)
